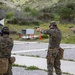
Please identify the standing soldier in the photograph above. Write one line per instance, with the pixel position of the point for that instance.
(53, 55)
(6, 45)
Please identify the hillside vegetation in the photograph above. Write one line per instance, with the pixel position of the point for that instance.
(32, 3)
(35, 3)
(18, 2)
(39, 4)
(22, 14)
(21, 2)
(34, 11)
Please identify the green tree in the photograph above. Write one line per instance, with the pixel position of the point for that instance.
(34, 12)
(27, 9)
(10, 15)
(66, 13)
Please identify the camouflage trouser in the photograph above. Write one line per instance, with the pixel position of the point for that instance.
(9, 72)
(53, 60)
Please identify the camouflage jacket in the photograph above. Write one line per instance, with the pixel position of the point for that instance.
(54, 37)
(6, 45)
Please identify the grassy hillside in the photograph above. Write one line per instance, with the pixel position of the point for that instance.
(34, 3)
(19, 2)
(31, 3)
(24, 1)
(67, 1)
(39, 4)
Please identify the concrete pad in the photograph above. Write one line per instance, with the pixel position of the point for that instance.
(66, 66)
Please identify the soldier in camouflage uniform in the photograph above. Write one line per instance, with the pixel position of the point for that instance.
(6, 45)
(53, 58)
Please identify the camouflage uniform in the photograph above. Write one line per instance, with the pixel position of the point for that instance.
(53, 59)
(6, 45)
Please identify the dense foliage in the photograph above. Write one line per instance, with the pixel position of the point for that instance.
(37, 11)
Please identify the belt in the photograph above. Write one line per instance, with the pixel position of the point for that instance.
(52, 48)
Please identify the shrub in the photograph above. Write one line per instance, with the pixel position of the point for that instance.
(13, 21)
(35, 22)
(66, 13)
(34, 12)
(32, 68)
(44, 36)
(9, 15)
(46, 10)
(27, 9)
(46, 16)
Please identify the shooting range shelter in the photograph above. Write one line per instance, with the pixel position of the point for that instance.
(27, 32)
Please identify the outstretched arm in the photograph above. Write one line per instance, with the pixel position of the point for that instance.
(44, 31)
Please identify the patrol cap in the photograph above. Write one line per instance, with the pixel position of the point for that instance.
(53, 23)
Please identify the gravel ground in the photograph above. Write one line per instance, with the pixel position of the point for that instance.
(41, 54)
(32, 46)
(68, 54)
(29, 46)
(22, 71)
